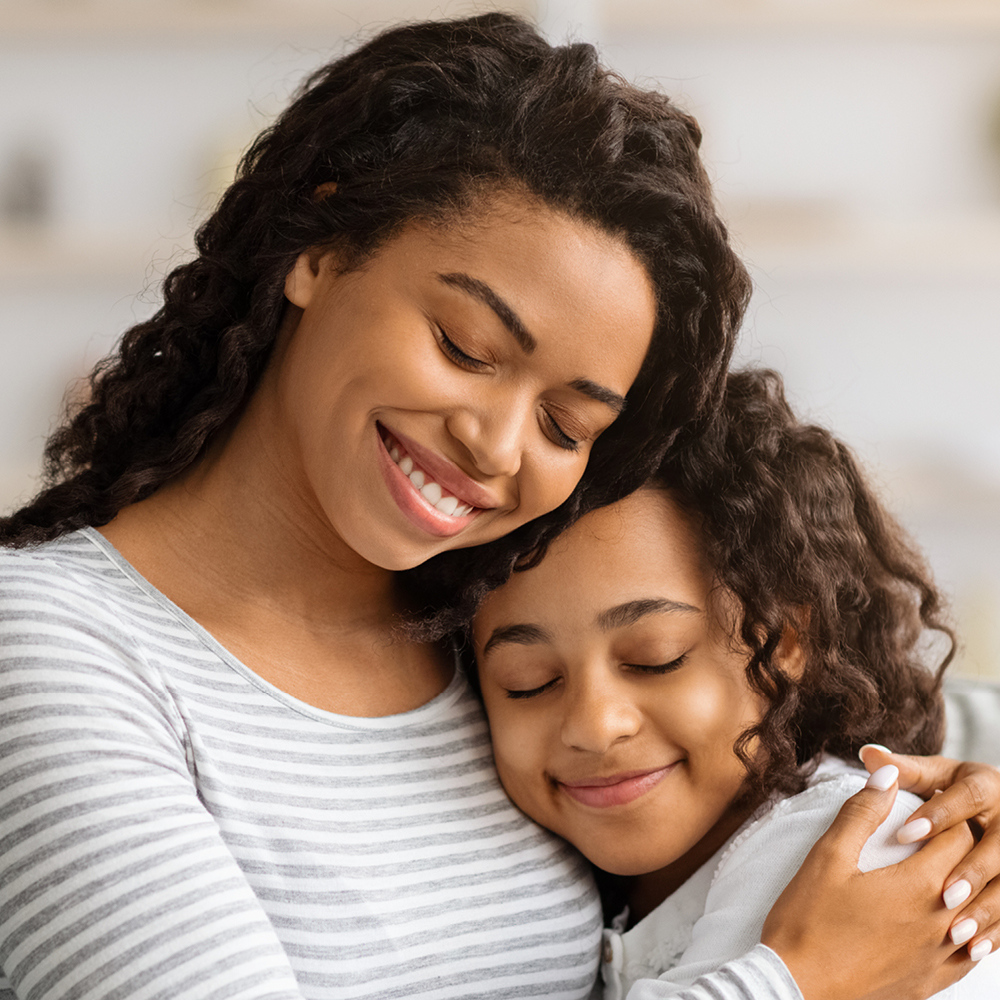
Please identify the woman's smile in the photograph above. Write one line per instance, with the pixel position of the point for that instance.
(431, 491)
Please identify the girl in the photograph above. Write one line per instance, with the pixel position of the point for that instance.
(466, 287)
(680, 686)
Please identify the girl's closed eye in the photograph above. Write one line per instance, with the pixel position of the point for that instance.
(659, 668)
(532, 692)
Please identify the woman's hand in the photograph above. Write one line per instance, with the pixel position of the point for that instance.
(879, 935)
(967, 793)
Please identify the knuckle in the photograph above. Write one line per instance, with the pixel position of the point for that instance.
(982, 788)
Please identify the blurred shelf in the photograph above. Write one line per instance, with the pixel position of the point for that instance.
(788, 240)
(779, 240)
(30, 260)
(880, 17)
(215, 21)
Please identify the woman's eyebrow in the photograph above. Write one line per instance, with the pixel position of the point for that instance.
(481, 291)
(631, 611)
(486, 295)
(522, 635)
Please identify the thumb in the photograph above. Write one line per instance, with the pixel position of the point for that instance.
(860, 816)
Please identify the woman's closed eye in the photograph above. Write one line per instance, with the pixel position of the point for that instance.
(559, 436)
(460, 357)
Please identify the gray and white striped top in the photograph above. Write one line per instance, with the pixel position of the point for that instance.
(173, 826)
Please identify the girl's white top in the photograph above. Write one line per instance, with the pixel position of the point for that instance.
(719, 912)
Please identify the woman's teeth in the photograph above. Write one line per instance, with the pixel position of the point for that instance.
(429, 490)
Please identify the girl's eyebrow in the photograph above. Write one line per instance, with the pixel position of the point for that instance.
(524, 635)
(631, 611)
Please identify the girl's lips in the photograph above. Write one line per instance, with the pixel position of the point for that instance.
(616, 790)
(412, 503)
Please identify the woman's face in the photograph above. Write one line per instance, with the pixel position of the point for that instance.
(451, 389)
(615, 693)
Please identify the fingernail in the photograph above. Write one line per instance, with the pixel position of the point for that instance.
(872, 746)
(884, 778)
(956, 893)
(916, 830)
(980, 950)
(964, 930)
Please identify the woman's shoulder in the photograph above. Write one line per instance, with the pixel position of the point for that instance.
(74, 582)
(73, 564)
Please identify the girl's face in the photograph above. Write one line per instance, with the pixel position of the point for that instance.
(450, 389)
(615, 693)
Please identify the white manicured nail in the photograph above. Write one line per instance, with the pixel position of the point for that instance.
(980, 950)
(956, 893)
(916, 830)
(872, 746)
(964, 930)
(884, 778)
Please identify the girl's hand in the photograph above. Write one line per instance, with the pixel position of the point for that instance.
(879, 935)
(967, 793)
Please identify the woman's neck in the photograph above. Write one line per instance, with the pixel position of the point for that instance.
(234, 546)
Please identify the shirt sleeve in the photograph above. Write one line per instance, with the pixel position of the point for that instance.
(725, 953)
(758, 975)
(114, 878)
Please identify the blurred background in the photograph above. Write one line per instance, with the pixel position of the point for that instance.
(855, 148)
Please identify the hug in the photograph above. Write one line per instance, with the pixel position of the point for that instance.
(467, 297)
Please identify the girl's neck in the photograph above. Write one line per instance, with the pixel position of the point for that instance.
(650, 889)
(236, 549)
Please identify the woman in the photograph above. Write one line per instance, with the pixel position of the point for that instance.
(451, 299)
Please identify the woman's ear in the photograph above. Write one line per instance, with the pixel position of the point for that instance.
(302, 279)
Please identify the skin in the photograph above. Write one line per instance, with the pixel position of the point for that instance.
(486, 344)
(613, 660)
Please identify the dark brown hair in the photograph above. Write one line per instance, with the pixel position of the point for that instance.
(416, 124)
(792, 528)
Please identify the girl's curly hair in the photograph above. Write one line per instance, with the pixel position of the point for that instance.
(417, 124)
(792, 529)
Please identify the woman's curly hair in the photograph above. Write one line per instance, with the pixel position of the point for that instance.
(417, 124)
(793, 530)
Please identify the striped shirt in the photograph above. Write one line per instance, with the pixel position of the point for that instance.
(173, 826)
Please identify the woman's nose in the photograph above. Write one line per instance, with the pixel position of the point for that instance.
(597, 716)
(493, 435)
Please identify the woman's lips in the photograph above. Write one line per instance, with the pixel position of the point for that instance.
(412, 501)
(615, 790)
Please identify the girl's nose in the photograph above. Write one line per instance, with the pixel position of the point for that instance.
(597, 716)
(493, 435)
